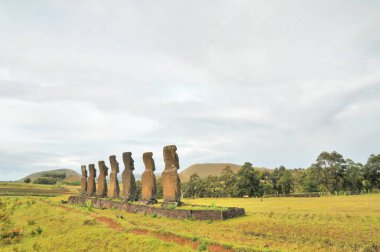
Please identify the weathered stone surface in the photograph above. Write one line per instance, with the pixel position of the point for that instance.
(170, 179)
(91, 185)
(148, 180)
(102, 182)
(231, 212)
(79, 200)
(114, 189)
(83, 181)
(128, 179)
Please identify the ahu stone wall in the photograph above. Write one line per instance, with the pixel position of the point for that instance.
(182, 214)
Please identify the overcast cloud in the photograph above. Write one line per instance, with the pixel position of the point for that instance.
(270, 82)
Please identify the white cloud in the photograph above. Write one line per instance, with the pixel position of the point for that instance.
(267, 82)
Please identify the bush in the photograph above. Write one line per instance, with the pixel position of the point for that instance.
(35, 232)
(39, 230)
(10, 237)
(170, 206)
(89, 222)
(89, 207)
(27, 180)
(54, 175)
(72, 183)
(202, 246)
(45, 181)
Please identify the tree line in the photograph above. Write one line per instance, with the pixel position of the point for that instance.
(330, 174)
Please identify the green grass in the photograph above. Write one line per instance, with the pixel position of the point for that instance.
(343, 223)
(337, 223)
(56, 229)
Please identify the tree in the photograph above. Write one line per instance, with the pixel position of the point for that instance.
(27, 180)
(138, 187)
(311, 179)
(371, 172)
(227, 181)
(332, 170)
(353, 177)
(286, 182)
(297, 178)
(159, 189)
(192, 186)
(45, 181)
(247, 182)
(212, 186)
(282, 180)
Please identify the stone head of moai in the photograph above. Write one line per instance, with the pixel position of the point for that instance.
(114, 164)
(171, 157)
(103, 169)
(129, 163)
(92, 170)
(149, 161)
(84, 171)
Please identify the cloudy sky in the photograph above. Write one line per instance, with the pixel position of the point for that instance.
(270, 82)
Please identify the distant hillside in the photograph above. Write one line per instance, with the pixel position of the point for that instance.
(206, 169)
(70, 175)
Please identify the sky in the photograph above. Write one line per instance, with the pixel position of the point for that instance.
(268, 82)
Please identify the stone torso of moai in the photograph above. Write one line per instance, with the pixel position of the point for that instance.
(148, 180)
(114, 189)
(129, 182)
(102, 182)
(83, 181)
(91, 185)
(170, 179)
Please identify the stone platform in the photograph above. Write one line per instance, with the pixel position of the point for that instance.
(100, 203)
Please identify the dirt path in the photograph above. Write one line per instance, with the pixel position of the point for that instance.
(109, 222)
(167, 237)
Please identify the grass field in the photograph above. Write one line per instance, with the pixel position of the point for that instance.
(23, 189)
(339, 223)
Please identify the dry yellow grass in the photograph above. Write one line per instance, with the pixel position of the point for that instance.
(343, 223)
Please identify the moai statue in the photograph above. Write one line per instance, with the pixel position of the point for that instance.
(83, 181)
(148, 180)
(114, 189)
(129, 182)
(102, 182)
(91, 185)
(170, 180)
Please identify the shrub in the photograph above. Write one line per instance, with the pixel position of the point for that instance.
(154, 215)
(54, 175)
(90, 222)
(228, 246)
(39, 230)
(35, 232)
(170, 206)
(202, 246)
(89, 206)
(31, 222)
(194, 239)
(10, 237)
(27, 180)
(72, 183)
(45, 181)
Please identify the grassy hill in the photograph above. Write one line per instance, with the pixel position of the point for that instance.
(213, 169)
(70, 175)
(204, 170)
